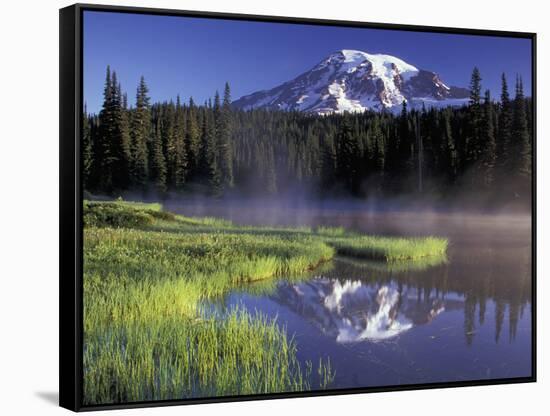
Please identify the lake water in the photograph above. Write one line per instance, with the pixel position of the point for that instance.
(466, 318)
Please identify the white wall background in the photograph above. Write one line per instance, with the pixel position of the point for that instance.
(29, 205)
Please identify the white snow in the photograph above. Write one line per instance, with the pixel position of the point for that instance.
(382, 64)
(383, 67)
(381, 324)
(337, 90)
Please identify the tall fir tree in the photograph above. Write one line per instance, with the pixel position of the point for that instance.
(489, 143)
(166, 116)
(505, 121)
(223, 133)
(405, 144)
(520, 131)
(106, 122)
(217, 184)
(449, 151)
(120, 139)
(192, 138)
(158, 168)
(87, 150)
(126, 154)
(181, 159)
(473, 142)
(141, 136)
(328, 164)
(114, 159)
(347, 157)
(208, 170)
(379, 156)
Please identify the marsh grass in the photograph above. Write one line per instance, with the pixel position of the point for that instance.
(390, 249)
(180, 358)
(146, 274)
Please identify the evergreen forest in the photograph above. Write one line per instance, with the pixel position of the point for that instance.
(482, 149)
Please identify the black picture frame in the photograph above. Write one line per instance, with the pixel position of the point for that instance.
(71, 197)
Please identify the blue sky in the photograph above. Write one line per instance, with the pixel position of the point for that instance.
(195, 56)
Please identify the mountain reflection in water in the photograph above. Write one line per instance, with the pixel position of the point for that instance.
(352, 311)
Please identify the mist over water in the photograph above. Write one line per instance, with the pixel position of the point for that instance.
(387, 217)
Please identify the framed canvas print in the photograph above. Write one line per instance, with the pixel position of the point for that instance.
(259, 207)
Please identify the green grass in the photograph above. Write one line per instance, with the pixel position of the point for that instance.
(331, 231)
(390, 249)
(146, 273)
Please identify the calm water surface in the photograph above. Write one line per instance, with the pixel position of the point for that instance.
(468, 318)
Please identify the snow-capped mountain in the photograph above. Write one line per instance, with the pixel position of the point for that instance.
(355, 81)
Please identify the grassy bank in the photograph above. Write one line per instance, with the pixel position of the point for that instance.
(145, 273)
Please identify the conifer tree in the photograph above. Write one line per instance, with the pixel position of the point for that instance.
(347, 157)
(405, 144)
(449, 152)
(218, 184)
(223, 132)
(328, 164)
(87, 150)
(489, 143)
(159, 162)
(126, 153)
(473, 143)
(166, 117)
(475, 91)
(504, 127)
(521, 136)
(106, 120)
(208, 170)
(270, 174)
(141, 136)
(120, 139)
(377, 137)
(114, 159)
(181, 160)
(192, 138)
(94, 178)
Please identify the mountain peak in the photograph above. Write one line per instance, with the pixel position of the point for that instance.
(355, 81)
